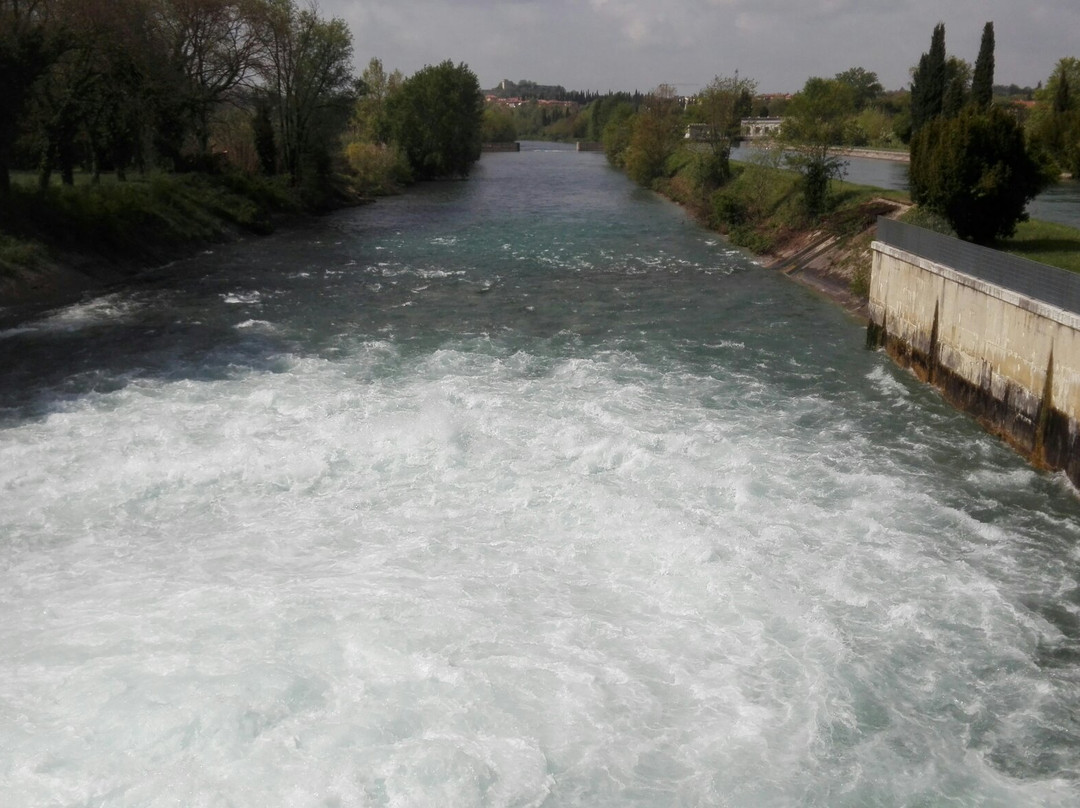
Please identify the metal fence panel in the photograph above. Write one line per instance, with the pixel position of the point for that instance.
(1052, 285)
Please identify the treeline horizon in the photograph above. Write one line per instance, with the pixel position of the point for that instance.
(556, 92)
(268, 87)
(117, 85)
(862, 112)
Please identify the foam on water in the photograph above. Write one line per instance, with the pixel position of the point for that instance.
(498, 579)
(649, 544)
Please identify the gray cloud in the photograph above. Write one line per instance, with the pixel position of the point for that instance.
(638, 44)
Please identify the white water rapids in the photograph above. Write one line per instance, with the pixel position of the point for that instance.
(582, 548)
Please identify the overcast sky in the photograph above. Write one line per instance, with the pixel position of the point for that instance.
(638, 44)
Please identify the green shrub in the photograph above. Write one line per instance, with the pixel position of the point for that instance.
(705, 169)
(377, 170)
(17, 254)
(498, 126)
(617, 133)
(729, 208)
(756, 203)
(860, 280)
(271, 193)
(754, 239)
(976, 171)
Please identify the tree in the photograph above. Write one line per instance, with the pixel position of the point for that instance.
(214, 44)
(976, 171)
(498, 125)
(656, 132)
(308, 74)
(1055, 122)
(369, 123)
(618, 128)
(1062, 96)
(120, 111)
(435, 119)
(30, 43)
(98, 101)
(929, 82)
(602, 110)
(982, 83)
(1067, 70)
(864, 84)
(721, 106)
(957, 85)
(59, 105)
(108, 86)
(937, 73)
(814, 123)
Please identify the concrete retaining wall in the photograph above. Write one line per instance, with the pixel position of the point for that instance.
(1010, 360)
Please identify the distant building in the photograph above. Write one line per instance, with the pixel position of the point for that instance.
(514, 101)
(698, 132)
(760, 127)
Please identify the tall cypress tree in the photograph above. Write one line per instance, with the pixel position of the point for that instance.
(982, 83)
(935, 88)
(918, 89)
(928, 86)
(955, 97)
(1061, 95)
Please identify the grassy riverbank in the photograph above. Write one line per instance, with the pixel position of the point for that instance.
(58, 241)
(760, 208)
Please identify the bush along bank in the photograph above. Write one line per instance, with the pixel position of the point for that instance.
(59, 241)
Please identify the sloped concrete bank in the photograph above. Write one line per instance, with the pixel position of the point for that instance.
(836, 266)
(827, 264)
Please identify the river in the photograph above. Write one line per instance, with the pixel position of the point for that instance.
(520, 491)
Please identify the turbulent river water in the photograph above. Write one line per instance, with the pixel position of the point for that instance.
(520, 491)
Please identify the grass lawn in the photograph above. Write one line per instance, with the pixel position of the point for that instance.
(1047, 243)
(843, 190)
(29, 179)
